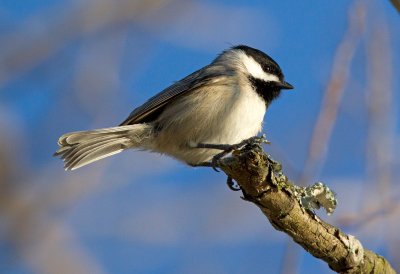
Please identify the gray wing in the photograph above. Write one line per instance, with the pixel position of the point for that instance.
(154, 106)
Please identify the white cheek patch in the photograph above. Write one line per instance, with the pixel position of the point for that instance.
(255, 69)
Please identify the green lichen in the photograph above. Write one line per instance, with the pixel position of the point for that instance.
(311, 197)
(316, 196)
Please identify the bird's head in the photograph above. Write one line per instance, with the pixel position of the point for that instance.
(262, 72)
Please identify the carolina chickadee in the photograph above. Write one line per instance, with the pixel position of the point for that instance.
(222, 103)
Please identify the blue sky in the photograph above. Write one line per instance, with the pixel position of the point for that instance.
(145, 213)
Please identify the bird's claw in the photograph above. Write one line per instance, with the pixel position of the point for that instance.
(255, 141)
(214, 163)
(226, 149)
(216, 158)
(232, 185)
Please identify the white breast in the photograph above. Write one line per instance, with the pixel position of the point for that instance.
(220, 115)
(244, 119)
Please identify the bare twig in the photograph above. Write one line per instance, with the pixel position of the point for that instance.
(276, 197)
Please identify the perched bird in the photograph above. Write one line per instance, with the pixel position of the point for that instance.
(194, 119)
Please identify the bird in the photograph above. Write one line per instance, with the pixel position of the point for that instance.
(214, 108)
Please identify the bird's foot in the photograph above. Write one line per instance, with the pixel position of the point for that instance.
(226, 149)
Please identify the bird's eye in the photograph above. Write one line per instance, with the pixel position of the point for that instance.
(268, 69)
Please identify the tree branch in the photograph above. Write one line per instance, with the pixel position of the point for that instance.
(263, 184)
(396, 4)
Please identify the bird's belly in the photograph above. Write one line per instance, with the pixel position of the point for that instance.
(225, 119)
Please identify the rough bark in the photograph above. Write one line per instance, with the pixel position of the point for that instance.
(279, 200)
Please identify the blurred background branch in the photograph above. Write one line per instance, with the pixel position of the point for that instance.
(333, 94)
(327, 117)
(54, 29)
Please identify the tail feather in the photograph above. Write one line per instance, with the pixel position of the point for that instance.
(81, 136)
(97, 153)
(84, 147)
(78, 152)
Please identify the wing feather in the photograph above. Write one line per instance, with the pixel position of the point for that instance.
(154, 106)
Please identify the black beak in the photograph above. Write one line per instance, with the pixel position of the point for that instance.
(284, 85)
